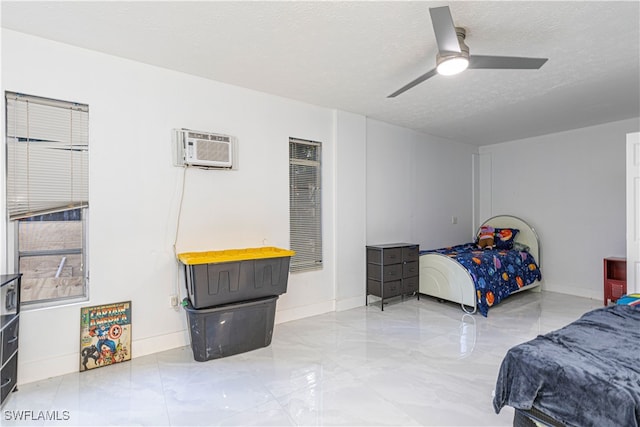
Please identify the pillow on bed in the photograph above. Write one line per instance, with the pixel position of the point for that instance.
(517, 246)
(505, 236)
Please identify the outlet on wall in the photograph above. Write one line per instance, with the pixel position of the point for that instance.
(173, 300)
(454, 220)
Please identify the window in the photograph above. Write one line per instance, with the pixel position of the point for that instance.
(305, 204)
(47, 147)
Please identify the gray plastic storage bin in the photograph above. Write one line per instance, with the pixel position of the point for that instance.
(222, 283)
(230, 329)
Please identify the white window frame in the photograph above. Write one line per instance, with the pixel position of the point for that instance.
(305, 205)
(52, 126)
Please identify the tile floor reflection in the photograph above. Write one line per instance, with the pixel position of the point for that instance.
(416, 363)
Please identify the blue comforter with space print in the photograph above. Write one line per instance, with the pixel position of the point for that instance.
(497, 273)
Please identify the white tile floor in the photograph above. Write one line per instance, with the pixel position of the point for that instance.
(417, 363)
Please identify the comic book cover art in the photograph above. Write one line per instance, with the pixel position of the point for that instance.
(105, 335)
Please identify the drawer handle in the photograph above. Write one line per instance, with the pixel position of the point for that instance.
(6, 383)
(12, 340)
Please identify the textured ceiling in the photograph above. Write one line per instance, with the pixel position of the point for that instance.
(351, 55)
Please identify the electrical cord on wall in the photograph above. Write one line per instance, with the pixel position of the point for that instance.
(180, 202)
(178, 221)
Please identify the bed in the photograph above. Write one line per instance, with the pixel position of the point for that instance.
(452, 274)
(585, 374)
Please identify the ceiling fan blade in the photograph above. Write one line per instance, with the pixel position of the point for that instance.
(415, 82)
(505, 62)
(444, 29)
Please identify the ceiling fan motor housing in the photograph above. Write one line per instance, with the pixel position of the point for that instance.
(464, 49)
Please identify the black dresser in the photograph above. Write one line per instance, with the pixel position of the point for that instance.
(9, 316)
(392, 270)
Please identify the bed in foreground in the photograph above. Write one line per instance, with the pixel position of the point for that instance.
(585, 374)
(477, 278)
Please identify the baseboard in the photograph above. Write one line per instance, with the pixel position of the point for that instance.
(38, 370)
(146, 346)
(578, 291)
(296, 313)
(349, 303)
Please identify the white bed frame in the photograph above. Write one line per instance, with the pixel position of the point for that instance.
(444, 278)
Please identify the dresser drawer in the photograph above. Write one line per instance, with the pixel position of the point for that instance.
(9, 340)
(384, 256)
(387, 272)
(390, 289)
(410, 253)
(410, 269)
(8, 377)
(410, 285)
(392, 256)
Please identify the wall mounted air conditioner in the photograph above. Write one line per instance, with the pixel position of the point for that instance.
(204, 149)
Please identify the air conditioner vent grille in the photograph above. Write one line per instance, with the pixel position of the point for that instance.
(214, 151)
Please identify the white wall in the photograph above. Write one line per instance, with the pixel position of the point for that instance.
(415, 184)
(350, 259)
(633, 212)
(571, 187)
(134, 190)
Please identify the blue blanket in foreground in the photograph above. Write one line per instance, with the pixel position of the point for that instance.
(497, 273)
(585, 374)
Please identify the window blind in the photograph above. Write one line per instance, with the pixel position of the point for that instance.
(305, 204)
(47, 155)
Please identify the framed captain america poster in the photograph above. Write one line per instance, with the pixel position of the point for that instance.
(105, 335)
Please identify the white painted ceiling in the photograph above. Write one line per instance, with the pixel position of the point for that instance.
(351, 55)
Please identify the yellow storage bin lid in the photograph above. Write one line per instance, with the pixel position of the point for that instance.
(229, 255)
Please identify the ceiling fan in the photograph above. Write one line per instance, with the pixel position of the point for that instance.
(453, 55)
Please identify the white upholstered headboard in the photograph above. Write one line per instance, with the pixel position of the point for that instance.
(526, 236)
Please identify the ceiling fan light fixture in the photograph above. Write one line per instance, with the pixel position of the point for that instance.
(451, 65)
(453, 54)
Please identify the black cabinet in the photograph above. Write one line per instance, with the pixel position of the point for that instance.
(9, 317)
(392, 270)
